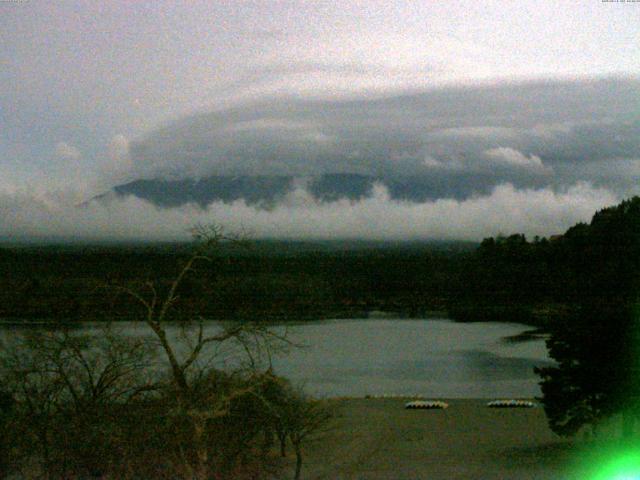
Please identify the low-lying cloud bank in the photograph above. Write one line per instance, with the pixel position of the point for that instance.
(506, 210)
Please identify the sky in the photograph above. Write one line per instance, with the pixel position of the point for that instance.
(518, 116)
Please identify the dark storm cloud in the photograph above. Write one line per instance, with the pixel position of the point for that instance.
(444, 143)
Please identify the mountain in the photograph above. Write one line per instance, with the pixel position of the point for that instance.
(266, 191)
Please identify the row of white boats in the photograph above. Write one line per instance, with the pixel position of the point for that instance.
(420, 403)
(437, 404)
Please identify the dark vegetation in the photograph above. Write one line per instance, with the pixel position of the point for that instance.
(80, 406)
(581, 288)
(266, 281)
(507, 278)
(105, 405)
(597, 342)
(542, 281)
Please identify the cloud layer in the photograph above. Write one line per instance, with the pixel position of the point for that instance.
(505, 210)
(450, 164)
(417, 110)
(450, 142)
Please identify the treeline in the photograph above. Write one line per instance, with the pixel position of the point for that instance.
(507, 278)
(253, 282)
(539, 281)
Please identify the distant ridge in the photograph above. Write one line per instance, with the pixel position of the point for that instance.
(266, 191)
(264, 246)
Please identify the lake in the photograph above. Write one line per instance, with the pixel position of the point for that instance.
(435, 358)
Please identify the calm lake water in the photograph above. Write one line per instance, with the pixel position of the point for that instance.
(434, 357)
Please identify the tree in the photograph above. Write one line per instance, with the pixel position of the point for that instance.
(198, 403)
(67, 388)
(297, 417)
(99, 404)
(597, 346)
(307, 418)
(597, 374)
(7, 404)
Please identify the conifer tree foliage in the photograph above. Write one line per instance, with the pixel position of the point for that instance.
(597, 344)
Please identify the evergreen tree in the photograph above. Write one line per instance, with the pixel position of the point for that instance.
(597, 346)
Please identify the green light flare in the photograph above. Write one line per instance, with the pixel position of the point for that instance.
(621, 465)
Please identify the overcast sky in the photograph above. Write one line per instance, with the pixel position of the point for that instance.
(526, 112)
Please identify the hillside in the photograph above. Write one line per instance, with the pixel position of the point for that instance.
(510, 278)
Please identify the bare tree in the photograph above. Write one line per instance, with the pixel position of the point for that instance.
(64, 384)
(306, 419)
(96, 404)
(296, 417)
(251, 338)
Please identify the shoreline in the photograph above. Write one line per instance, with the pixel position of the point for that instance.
(364, 315)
